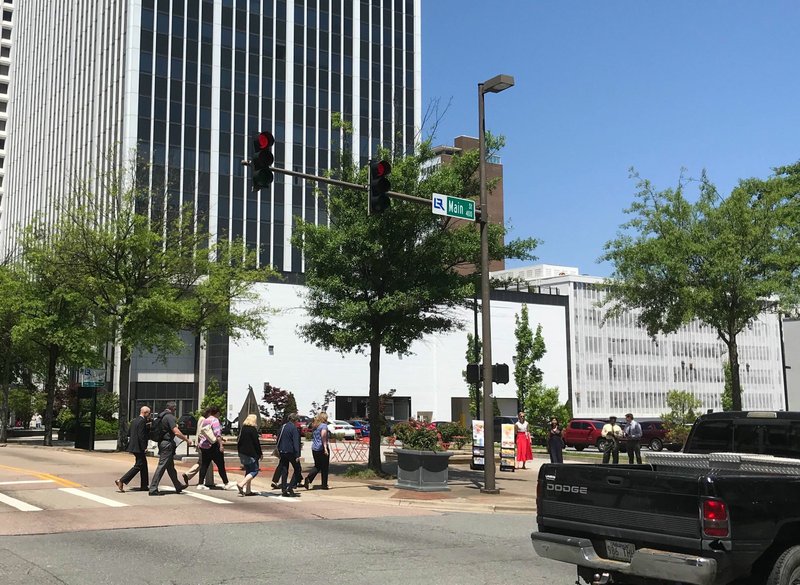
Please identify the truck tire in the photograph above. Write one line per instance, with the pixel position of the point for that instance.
(602, 445)
(579, 447)
(656, 445)
(787, 568)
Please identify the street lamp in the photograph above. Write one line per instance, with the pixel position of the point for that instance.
(494, 85)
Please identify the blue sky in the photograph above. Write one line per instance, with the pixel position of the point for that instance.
(605, 86)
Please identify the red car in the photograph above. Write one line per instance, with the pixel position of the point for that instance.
(583, 432)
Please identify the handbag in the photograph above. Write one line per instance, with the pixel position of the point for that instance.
(275, 452)
(207, 432)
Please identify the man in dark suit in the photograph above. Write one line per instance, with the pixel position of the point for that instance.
(289, 450)
(137, 444)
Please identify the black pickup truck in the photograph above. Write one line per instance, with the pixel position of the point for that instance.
(725, 510)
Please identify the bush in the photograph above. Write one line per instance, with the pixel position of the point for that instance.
(417, 435)
(454, 429)
(106, 428)
(65, 420)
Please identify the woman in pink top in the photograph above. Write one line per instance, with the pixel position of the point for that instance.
(213, 451)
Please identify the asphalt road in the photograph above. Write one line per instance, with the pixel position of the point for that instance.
(448, 548)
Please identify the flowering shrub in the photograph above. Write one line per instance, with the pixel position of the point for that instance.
(417, 435)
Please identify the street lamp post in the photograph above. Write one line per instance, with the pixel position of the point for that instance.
(494, 85)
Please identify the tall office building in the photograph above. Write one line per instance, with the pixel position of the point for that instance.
(184, 85)
(5, 87)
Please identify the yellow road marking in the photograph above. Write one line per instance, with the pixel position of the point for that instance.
(54, 478)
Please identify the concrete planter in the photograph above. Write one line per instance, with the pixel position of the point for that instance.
(422, 471)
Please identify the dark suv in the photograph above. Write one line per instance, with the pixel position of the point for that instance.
(653, 433)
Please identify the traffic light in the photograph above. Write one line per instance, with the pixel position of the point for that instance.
(379, 186)
(262, 160)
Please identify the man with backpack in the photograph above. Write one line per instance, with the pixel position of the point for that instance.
(163, 430)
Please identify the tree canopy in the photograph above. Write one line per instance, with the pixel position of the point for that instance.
(382, 282)
(723, 261)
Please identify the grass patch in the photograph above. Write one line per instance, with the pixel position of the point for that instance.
(364, 472)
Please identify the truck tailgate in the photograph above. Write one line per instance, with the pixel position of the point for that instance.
(630, 504)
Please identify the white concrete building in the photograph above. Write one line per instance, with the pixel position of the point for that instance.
(6, 30)
(616, 367)
(429, 383)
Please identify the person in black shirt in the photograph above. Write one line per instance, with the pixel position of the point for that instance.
(137, 445)
(166, 450)
(289, 450)
(250, 454)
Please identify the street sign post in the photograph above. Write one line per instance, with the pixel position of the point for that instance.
(453, 206)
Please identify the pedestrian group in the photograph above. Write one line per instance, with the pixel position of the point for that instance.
(163, 429)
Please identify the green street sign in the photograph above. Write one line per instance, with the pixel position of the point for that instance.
(93, 377)
(453, 206)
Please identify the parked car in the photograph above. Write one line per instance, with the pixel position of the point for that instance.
(584, 432)
(653, 434)
(303, 424)
(361, 427)
(341, 426)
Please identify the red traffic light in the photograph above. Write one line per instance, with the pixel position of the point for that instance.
(383, 168)
(263, 140)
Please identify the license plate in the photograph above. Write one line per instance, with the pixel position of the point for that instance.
(620, 551)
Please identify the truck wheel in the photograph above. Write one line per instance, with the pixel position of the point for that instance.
(787, 568)
(656, 445)
(602, 445)
(580, 447)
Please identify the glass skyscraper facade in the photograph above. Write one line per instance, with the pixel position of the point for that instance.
(186, 84)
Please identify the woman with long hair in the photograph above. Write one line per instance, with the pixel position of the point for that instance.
(213, 451)
(523, 438)
(250, 454)
(320, 450)
(555, 442)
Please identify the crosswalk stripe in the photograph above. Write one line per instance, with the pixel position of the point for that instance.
(18, 504)
(208, 498)
(26, 481)
(93, 497)
(279, 498)
(203, 497)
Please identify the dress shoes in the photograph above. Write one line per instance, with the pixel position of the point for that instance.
(290, 494)
(274, 485)
(306, 483)
(157, 493)
(120, 486)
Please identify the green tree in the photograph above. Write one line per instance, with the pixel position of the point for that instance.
(57, 317)
(214, 396)
(719, 260)
(380, 283)
(473, 356)
(14, 350)
(542, 404)
(529, 351)
(20, 401)
(291, 404)
(149, 271)
(682, 406)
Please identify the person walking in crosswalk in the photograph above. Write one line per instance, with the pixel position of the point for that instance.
(168, 430)
(137, 445)
(249, 447)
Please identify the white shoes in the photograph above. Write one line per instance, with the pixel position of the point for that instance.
(231, 486)
(202, 487)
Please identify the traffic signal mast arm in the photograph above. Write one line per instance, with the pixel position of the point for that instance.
(345, 184)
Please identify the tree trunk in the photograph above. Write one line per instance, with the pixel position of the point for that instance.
(736, 384)
(374, 415)
(124, 393)
(50, 388)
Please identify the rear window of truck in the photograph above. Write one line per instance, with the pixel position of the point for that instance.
(779, 438)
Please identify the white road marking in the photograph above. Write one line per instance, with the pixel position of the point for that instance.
(93, 497)
(26, 481)
(203, 497)
(18, 504)
(280, 498)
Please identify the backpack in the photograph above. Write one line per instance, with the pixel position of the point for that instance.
(157, 430)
